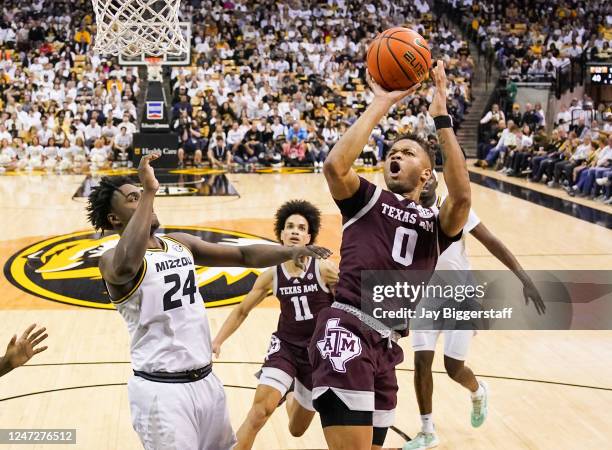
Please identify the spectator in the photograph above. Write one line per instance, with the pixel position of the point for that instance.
(189, 143)
(368, 154)
(297, 131)
(507, 141)
(92, 132)
(253, 140)
(515, 115)
(100, 156)
(234, 137)
(294, 153)
(531, 117)
(8, 156)
(218, 153)
(122, 148)
(493, 114)
(319, 149)
(598, 168)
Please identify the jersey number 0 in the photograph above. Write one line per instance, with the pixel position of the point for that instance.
(403, 253)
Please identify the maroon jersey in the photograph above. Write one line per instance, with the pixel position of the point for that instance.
(301, 298)
(385, 231)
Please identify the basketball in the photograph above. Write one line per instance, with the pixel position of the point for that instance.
(399, 58)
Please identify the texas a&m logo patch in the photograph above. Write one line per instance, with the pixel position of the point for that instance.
(339, 345)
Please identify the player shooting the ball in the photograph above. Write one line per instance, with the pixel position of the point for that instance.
(353, 354)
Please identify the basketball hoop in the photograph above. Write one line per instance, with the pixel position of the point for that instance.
(135, 27)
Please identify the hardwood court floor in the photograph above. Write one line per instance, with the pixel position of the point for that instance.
(548, 390)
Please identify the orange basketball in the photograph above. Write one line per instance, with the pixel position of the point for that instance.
(399, 58)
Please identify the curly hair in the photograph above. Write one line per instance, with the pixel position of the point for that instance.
(431, 153)
(303, 208)
(99, 203)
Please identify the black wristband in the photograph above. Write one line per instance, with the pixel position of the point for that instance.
(443, 122)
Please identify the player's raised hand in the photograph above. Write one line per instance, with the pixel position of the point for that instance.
(146, 174)
(390, 97)
(300, 254)
(438, 104)
(19, 351)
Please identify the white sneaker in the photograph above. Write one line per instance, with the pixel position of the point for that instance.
(480, 406)
(602, 181)
(422, 441)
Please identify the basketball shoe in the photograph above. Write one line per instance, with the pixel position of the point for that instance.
(422, 441)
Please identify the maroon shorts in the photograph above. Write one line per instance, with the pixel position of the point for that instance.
(356, 363)
(286, 364)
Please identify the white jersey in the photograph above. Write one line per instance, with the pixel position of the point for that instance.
(165, 313)
(425, 331)
(455, 256)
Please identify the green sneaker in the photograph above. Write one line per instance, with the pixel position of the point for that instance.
(480, 406)
(422, 441)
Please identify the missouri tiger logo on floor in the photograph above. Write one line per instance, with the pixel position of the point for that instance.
(65, 268)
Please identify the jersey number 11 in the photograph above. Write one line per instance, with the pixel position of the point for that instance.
(301, 304)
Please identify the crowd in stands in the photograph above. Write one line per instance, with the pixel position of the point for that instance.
(270, 83)
(62, 108)
(278, 83)
(531, 39)
(576, 155)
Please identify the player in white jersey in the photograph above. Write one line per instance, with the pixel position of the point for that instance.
(456, 342)
(176, 401)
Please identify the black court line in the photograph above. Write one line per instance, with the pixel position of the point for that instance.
(438, 372)
(72, 388)
(564, 206)
(29, 394)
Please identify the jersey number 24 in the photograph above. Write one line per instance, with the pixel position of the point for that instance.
(189, 290)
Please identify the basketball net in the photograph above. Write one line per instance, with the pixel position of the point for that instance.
(136, 27)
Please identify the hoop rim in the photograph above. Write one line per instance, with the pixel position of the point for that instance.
(153, 60)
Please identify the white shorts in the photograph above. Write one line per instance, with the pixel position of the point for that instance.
(179, 416)
(456, 342)
(281, 381)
